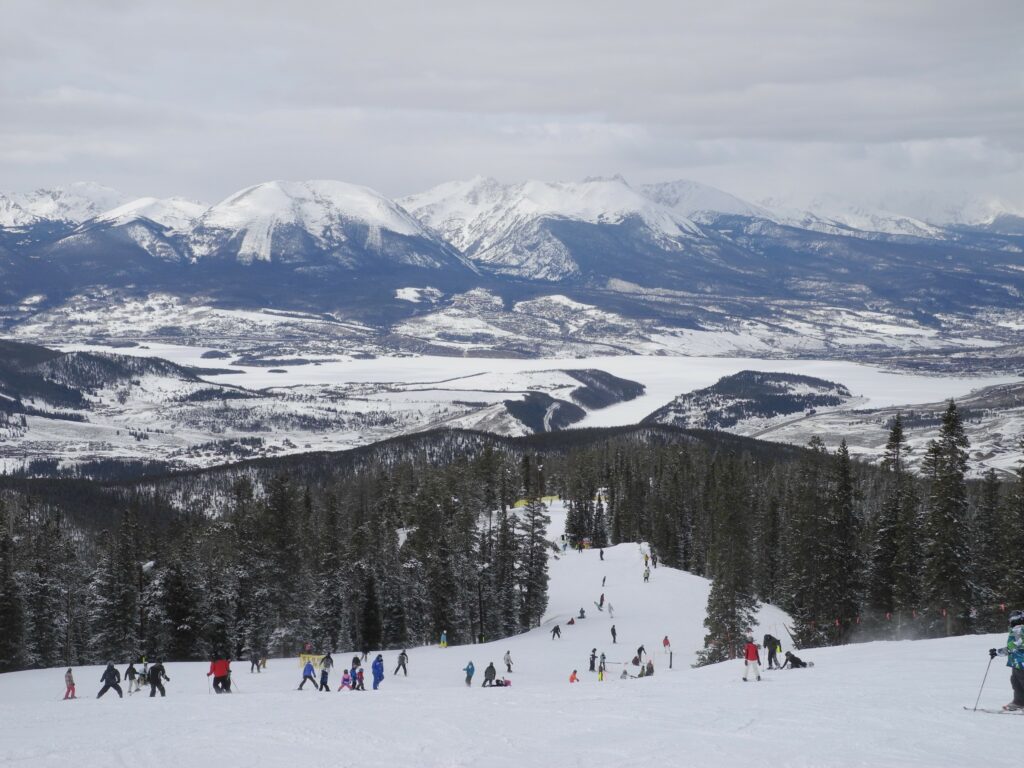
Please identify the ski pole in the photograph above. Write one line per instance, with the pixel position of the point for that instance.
(983, 682)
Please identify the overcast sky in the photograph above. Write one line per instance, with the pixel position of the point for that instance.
(912, 105)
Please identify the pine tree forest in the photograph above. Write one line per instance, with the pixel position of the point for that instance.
(387, 547)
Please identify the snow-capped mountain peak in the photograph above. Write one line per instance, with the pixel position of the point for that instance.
(699, 201)
(172, 213)
(72, 204)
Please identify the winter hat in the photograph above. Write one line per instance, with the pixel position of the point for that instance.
(1016, 618)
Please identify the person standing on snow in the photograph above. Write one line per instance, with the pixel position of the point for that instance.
(614, 634)
(469, 669)
(751, 659)
(508, 660)
(307, 674)
(220, 669)
(377, 668)
(327, 662)
(360, 680)
(325, 673)
(593, 658)
(640, 652)
(489, 674)
(666, 645)
(346, 681)
(601, 552)
(131, 675)
(556, 632)
(444, 638)
(254, 662)
(69, 682)
(403, 659)
(1014, 653)
(110, 679)
(647, 575)
(772, 646)
(156, 675)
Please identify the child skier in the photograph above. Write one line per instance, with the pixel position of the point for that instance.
(360, 681)
(69, 681)
(1014, 652)
(307, 674)
(325, 672)
(403, 659)
(110, 678)
(346, 681)
(752, 659)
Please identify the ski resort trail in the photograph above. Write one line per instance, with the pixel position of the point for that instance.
(877, 704)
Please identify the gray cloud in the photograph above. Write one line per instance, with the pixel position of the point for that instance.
(879, 102)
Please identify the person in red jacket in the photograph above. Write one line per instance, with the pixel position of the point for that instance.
(752, 659)
(220, 669)
(574, 678)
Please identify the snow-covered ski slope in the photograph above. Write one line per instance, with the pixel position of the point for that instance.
(876, 704)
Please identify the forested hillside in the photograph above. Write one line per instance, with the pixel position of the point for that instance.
(388, 545)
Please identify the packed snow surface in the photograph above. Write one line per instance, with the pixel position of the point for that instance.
(876, 704)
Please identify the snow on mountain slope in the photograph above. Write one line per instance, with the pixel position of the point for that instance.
(71, 204)
(835, 218)
(173, 213)
(700, 202)
(322, 209)
(878, 704)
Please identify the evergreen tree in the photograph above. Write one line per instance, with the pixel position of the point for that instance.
(1011, 562)
(534, 566)
(12, 613)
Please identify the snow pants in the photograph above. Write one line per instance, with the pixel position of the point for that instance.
(254, 664)
(509, 665)
(70, 693)
(107, 686)
(376, 681)
(1017, 681)
(756, 666)
(323, 685)
(158, 686)
(222, 684)
(773, 660)
(311, 679)
(401, 666)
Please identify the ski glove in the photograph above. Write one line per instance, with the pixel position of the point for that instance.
(992, 652)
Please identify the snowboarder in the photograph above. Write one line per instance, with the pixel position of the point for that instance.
(613, 629)
(601, 552)
(666, 645)
(1014, 652)
(489, 674)
(751, 658)
(69, 682)
(444, 638)
(593, 659)
(647, 575)
(508, 661)
(556, 632)
(346, 681)
(131, 675)
(325, 673)
(640, 652)
(773, 646)
(600, 603)
(574, 678)
(156, 676)
(110, 679)
(307, 674)
(650, 668)
(220, 669)
(469, 669)
(624, 675)
(403, 659)
(377, 668)
(793, 662)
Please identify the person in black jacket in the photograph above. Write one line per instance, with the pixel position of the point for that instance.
(110, 679)
(489, 674)
(793, 662)
(131, 675)
(157, 674)
(403, 659)
(593, 659)
(772, 645)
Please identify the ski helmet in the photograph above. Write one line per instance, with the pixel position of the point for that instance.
(1016, 618)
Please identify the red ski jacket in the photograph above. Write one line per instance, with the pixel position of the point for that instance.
(219, 668)
(751, 653)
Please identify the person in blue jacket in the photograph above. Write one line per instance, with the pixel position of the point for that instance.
(308, 674)
(354, 672)
(469, 669)
(1014, 653)
(378, 670)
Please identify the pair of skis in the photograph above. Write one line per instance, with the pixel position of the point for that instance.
(996, 711)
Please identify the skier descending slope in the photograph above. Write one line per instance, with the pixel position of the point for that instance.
(1014, 652)
(752, 659)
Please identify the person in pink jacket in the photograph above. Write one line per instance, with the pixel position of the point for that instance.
(69, 681)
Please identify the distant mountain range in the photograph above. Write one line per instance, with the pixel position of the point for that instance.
(675, 252)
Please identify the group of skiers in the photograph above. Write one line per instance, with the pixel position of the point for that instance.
(154, 676)
(490, 674)
(353, 678)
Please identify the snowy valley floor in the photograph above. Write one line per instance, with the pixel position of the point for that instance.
(876, 704)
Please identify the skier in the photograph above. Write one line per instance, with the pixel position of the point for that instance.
(593, 658)
(773, 646)
(613, 630)
(600, 603)
(325, 673)
(110, 679)
(556, 632)
(603, 580)
(654, 558)
(327, 662)
(469, 669)
(650, 668)
(360, 682)
(646, 559)
(444, 638)
(624, 675)
(793, 662)
(69, 682)
(157, 674)
(346, 681)
(752, 658)
(254, 662)
(130, 675)
(377, 668)
(611, 611)
(220, 669)
(647, 575)
(601, 552)
(489, 674)
(640, 652)
(1014, 652)
(307, 674)
(666, 645)
(601, 662)
(508, 661)
(573, 678)
(403, 659)
(583, 614)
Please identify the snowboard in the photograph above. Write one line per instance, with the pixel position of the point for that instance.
(996, 711)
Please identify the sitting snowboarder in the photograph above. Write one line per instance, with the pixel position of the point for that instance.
(793, 662)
